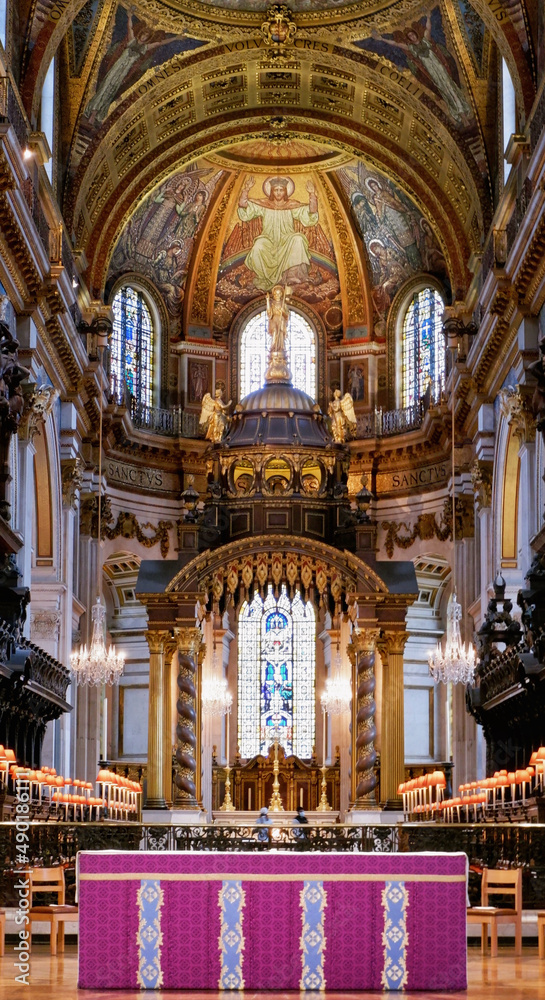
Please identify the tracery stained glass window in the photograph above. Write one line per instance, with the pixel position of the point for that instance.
(131, 361)
(423, 346)
(276, 675)
(300, 347)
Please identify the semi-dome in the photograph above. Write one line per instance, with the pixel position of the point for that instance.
(278, 414)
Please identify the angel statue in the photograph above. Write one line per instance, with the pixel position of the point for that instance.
(214, 416)
(343, 418)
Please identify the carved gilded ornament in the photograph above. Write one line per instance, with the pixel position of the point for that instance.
(363, 640)
(278, 30)
(392, 643)
(481, 479)
(427, 527)
(158, 641)
(126, 525)
(188, 640)
(37, 407)
(72, 479)
(515, 406)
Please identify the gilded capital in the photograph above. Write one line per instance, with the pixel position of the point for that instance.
(188, 640)
(392, 642)
(159, 640)
(362, 641)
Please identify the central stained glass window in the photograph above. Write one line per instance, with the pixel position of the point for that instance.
(300, 348)
(276, 675)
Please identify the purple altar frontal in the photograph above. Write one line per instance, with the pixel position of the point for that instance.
(272, 921)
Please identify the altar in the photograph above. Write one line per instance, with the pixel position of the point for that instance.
(272, 921)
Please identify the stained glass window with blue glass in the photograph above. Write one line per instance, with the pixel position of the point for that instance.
(276, 675)
(423, 347)
(131, 358)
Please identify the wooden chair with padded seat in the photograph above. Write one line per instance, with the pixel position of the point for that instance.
(50, 880)
(497, 882)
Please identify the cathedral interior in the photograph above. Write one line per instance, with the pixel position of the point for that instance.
(272, 347)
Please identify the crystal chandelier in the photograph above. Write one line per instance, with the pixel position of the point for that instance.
(216, 698)
(455, 664)
(97, 665)
(338, 692)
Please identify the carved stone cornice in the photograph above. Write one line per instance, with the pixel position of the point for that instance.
(481, 479)
(515, 406)
(72, 480)
(37, 407)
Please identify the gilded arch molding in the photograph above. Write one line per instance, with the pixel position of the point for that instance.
(277, 559)
(117, 206)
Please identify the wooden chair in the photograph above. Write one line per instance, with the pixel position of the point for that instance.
(2, 932)
(541, 933)
(498, 882)
(50, 880)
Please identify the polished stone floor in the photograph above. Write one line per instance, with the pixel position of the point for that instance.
(502, 978)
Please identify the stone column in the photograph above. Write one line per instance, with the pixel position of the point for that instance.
(392, 757)
(188, 749)
(157, 642)
(361, 650)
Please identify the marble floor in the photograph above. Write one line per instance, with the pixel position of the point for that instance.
(502, 978)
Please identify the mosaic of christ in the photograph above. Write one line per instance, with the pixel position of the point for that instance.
(278, 237)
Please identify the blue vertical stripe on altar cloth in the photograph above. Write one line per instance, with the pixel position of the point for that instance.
(231, 942)
(149, 936)
(313, 904)
(395, 899)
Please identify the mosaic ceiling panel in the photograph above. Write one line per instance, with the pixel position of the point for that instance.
(278, 232)
(158, 240)
(399, 241)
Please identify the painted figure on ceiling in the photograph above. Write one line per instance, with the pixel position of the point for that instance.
(133, 50)
(429, 59)
(398, 221)
(280, 253)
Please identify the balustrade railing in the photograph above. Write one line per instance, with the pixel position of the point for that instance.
(493, 845)
(175, 422)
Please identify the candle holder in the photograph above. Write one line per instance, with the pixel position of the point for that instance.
(276, 801)
(323, 805)
(227, 804)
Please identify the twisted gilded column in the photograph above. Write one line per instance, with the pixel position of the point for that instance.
(361, 650)
(170, 649)
(157, 642)
(391, 645)
(188, 747)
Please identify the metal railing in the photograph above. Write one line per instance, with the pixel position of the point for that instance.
(176, 422)
(494, 845)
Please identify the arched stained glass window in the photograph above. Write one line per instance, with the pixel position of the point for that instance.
(423, 346)
(276, 675)
(131, 361)
(300, 347)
